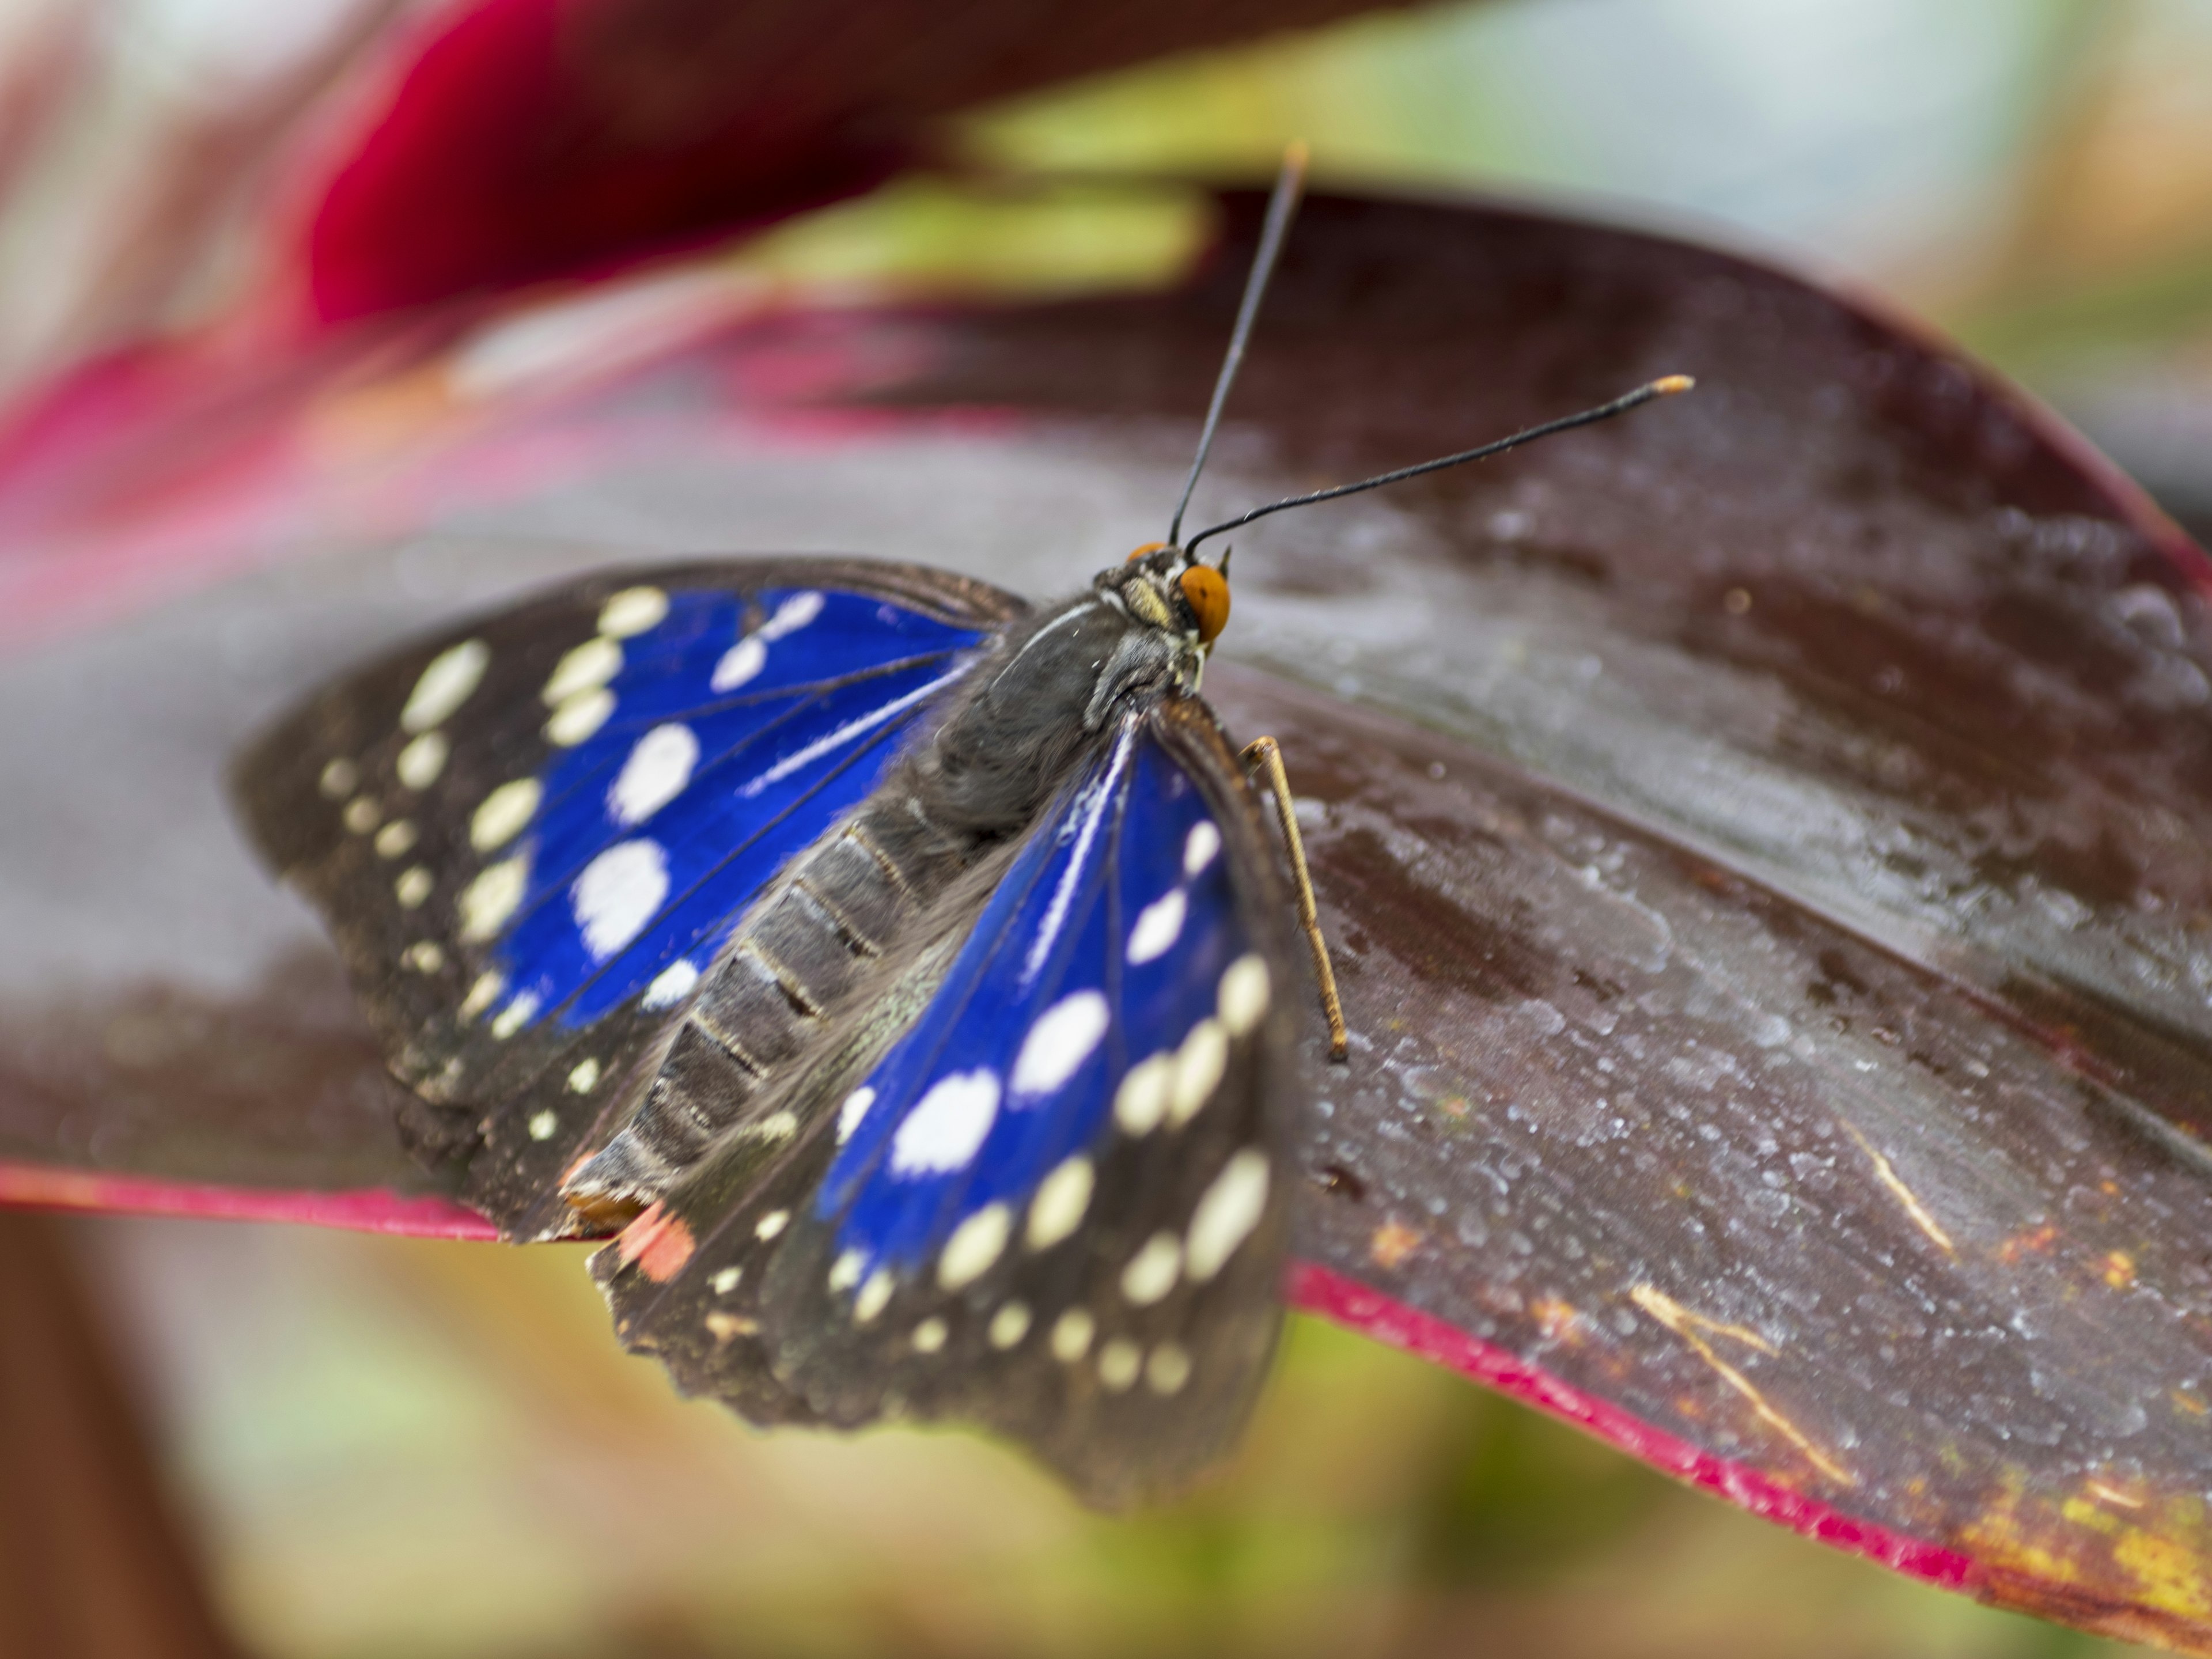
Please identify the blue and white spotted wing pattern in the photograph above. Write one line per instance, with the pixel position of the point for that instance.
(531, 838)
(1054, 1203)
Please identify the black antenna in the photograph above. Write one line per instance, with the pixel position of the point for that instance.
(1289, 184)
(1666, 388)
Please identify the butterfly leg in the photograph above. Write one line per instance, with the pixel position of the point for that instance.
(1266, 755)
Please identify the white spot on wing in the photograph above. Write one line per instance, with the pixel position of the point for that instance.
(1118, 1364)
(1200, 846)
(1009, 1325)
(739, 664)
(575, 720)
(583, 1077)
(543, 1126)
(1242, 1002)
(339, 776)
(946, 1129)
(1061, 1198)
(412, 888)
(1141, 1102)
(671, 986)
(362, 813)
(501, 816)
(845, 1272)
(492, 897)
(874, 1296)
(1152, 1272)
(516, 1015)
(1065, 1036)
(1160, 924)
(1169, 1368)
(772, 1224)
(1071, 1336)
(854, 1108)
(929, 1336)
(976, 1243)
(659, 768)
(421, 761)
(793, 614)
(396, 839)
(452, 674)
(726, 1282)
(1226, 1213)
(619, 892)
(483, 994)
(425, 955)
(588, 667)
(1200, 1063)
(632, 611)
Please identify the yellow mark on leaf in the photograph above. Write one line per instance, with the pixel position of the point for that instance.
(1903, 1194)
(1391, 1243)
(1685, 1324)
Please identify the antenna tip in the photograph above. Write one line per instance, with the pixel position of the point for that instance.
(1669, 384)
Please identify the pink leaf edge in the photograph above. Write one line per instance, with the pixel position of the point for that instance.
(363, 1209)
(1318, 1291)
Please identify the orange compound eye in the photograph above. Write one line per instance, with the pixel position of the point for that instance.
(1149, 547)
(1207, 592)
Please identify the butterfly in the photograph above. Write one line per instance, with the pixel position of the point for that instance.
(904, 975)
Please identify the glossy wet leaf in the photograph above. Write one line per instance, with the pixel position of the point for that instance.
(1762, 838)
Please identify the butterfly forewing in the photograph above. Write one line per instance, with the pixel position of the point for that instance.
(1051, 1200)
(531, 837)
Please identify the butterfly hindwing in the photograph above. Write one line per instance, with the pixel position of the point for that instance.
(528, 836)
(1050, 1198)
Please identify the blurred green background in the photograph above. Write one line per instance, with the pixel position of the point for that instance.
(397, 1448)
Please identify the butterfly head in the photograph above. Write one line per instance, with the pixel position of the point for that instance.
(1164, 586)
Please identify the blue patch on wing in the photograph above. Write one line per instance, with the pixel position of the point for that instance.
(701, 759)
(1104, 947)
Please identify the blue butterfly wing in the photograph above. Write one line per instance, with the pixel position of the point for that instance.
(1052, 1201)
(529, 837)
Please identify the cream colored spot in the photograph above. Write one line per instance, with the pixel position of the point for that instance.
(1142, 1100)
(516, 1015)
(412, 888)
(658, 770)
(501, 815)
(421, 761)
(854, 1108)
(1160, 924)
(1009, 1325)
(582, 715)
(776, 1126)
(1065, 1036)
(585, 1078)
(483, 994)
(845, 1272)
(976, 1243)
(1151, 1271)
(425, 955)
(338, 779)
(1118, 1361)
(1243, 1002)
(670, 985)
(446, 683)
(726, 1282)
(740, 663)
(1169, 1369)
(929, 1336)
(1061, 1198)
(874, 1296)
(362, 813)
(487, 901)
(1200, 1063)
(772, 1224)
(586, 668)
(543, 1126)
(632, 611)
(1199, 847)
(1071, 1336)
(396, 839)
(1226, 1215)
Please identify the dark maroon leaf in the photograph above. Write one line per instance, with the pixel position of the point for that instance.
(1762, 838)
